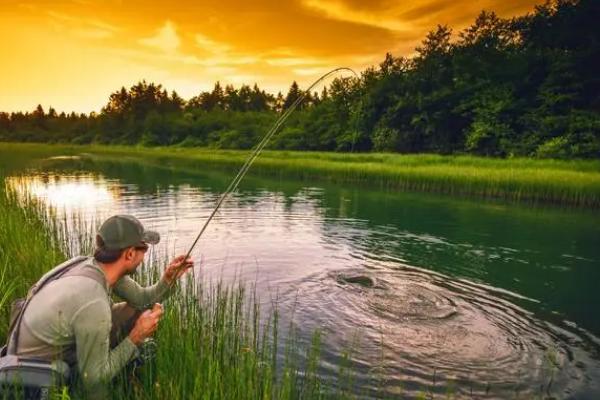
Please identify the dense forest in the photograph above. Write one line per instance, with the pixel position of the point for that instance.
(524, 86)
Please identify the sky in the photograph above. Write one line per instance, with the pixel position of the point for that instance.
(71, 54)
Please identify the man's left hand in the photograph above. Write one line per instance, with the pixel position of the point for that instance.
(176, 268)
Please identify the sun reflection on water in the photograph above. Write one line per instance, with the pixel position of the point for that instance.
(74, 194)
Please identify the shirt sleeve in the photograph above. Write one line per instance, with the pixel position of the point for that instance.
(141, 297)
(96, 362)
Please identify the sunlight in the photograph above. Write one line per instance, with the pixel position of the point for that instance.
(77, 193)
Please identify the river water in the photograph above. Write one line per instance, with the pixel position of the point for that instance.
(432, 294)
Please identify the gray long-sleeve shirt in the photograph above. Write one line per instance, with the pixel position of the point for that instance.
(70, 319)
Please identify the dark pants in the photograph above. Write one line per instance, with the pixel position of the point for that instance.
(123, 319)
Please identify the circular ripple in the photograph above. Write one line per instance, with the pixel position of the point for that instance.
(411, 302)
(419, 324)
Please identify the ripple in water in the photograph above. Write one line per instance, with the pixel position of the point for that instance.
(411, 302)
(417, 324)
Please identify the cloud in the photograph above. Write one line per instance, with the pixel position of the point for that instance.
(428, 9)
(292, 61)
(225, 60)
(93, 33)
(317, 71)
(221, 70)
(166, 39)
(340, 11)
(212, 46)
(241, 79)
(83, 27)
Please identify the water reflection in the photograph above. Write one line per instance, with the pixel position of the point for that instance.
(72, 194)
(498, 299)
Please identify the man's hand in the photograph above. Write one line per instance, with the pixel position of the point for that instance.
(146, 324)
(176, 268)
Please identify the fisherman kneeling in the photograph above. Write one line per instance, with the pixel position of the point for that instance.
(70, 316)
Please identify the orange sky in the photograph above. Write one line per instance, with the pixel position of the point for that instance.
(72, 54)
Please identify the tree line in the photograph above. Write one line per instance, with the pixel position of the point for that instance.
(521, 86)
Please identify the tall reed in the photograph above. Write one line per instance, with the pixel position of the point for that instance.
(214, 341)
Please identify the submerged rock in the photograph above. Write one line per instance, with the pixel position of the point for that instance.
(362, 280)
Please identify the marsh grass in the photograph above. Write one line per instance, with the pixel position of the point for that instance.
(571, 183)
(27, 249)
(214, 341)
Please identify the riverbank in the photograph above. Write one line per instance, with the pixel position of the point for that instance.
(566, 183)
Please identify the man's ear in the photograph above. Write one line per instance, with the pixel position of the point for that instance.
(129, 254)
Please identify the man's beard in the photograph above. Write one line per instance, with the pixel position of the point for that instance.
(133, 271)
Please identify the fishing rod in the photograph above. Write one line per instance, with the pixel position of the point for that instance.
(261, 145)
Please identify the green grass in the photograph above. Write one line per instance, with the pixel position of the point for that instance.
(214, 341)
(27, 248)
(570, 183)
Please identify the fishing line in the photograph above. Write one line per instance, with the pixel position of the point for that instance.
(242, 172)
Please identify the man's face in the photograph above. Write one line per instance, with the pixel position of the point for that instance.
(136, 257)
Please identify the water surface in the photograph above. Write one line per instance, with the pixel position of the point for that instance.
(477, 297)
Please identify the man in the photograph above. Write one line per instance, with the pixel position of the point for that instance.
(72, 318)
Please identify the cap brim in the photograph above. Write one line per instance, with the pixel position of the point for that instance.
(151, 237)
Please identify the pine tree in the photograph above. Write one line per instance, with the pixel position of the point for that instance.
(324, 94)
(279, 101)
(293, 94)
(38, 113)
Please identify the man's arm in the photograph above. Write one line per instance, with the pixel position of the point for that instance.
(96, 362)
(141, 297)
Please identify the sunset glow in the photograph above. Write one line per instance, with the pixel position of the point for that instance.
(76, 194)
(72, 54)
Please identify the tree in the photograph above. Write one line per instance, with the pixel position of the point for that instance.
(39, 117)
(279, 103)
(216, 99)
(245, 95)
(5, 126)
(390, 65)
(118, 102)
(435, 45)
(38, 113)
(293, 94)
(491, 133)
(176, 102)
(231, 99)
(324, 94)
(259, 99)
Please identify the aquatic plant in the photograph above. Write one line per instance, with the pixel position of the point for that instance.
(569, 183)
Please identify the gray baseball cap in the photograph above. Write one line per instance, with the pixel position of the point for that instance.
(122, 231)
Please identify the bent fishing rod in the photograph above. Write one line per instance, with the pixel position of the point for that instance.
(258, 149)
